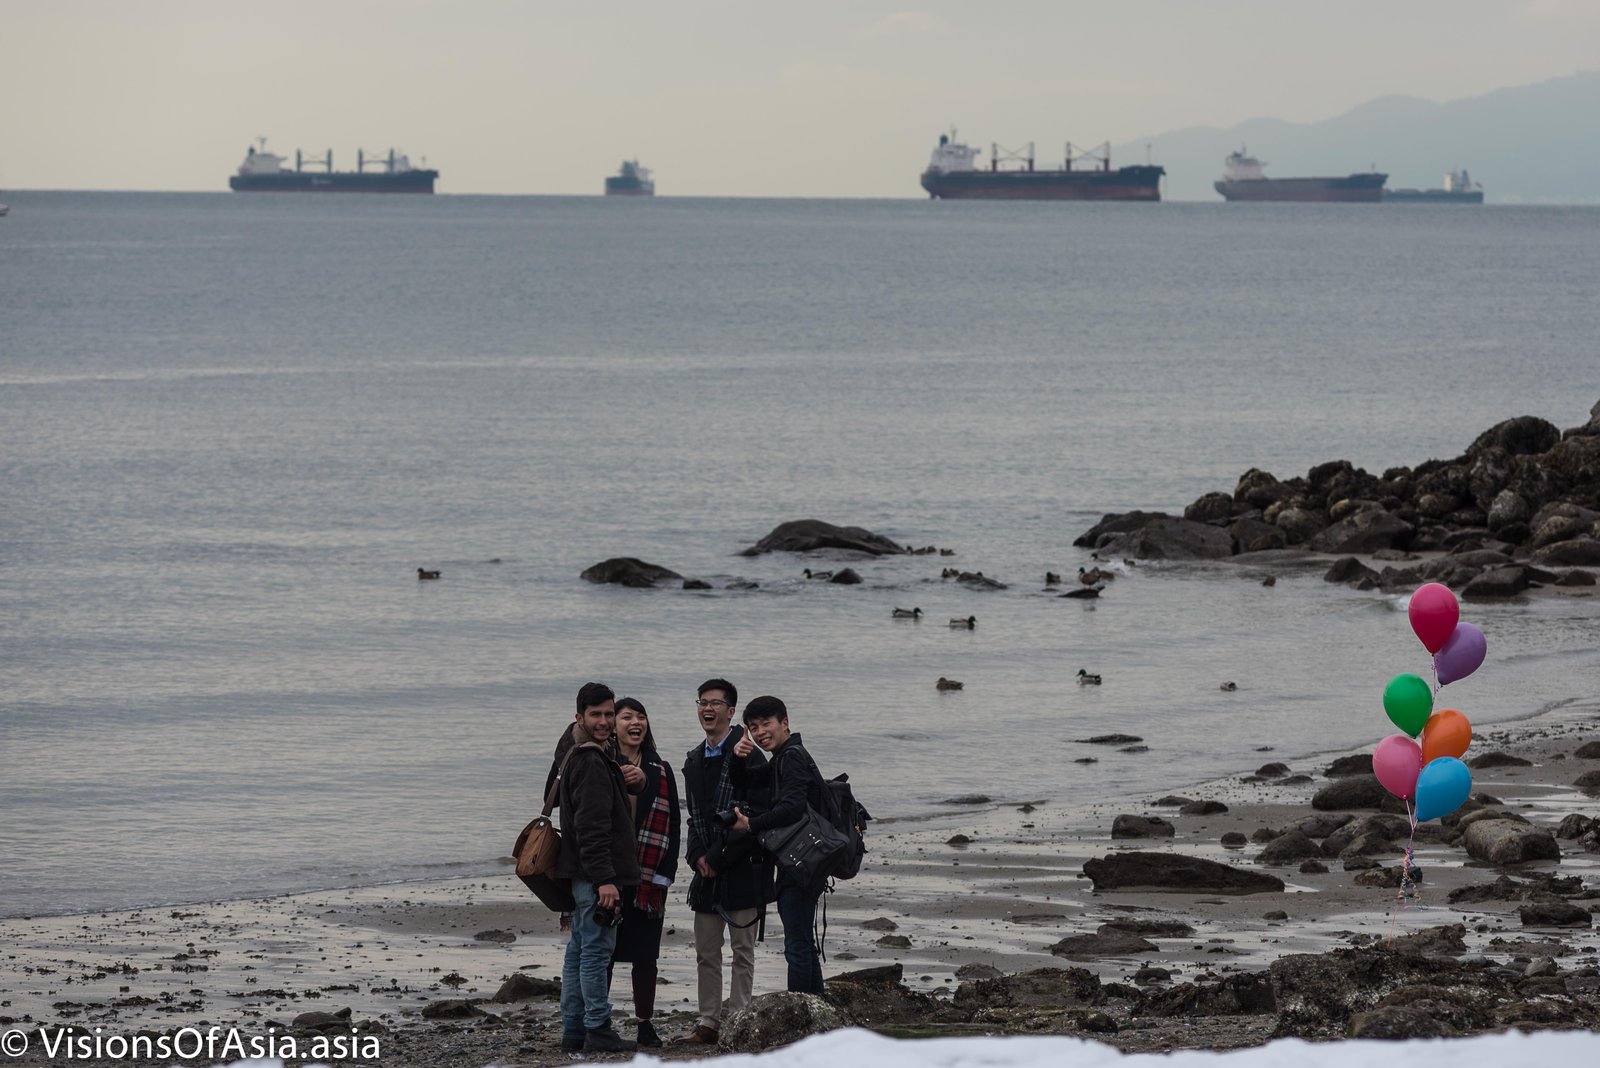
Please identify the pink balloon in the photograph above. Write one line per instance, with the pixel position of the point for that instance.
(1460, 655)
(1397, 762)
(1434, 614)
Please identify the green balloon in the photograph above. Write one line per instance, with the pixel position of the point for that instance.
(1409, 702)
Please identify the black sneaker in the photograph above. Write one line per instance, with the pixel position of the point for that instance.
(605, 1039)
(572, 1043)
(647, 1035)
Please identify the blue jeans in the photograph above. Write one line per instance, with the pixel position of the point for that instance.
(797, 907)
(585, 984)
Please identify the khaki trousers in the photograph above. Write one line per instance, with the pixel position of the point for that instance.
(709, 931)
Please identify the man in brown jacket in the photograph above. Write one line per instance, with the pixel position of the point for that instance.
(599, 855)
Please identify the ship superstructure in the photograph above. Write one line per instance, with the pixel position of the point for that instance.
(953, 173)
(1244, 178)
(632, 179)
(1459, 188)
(265, 172)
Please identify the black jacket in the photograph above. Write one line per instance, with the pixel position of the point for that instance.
(794, 782)
(744, 879)
(598, 842)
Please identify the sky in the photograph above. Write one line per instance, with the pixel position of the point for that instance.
(719, 97)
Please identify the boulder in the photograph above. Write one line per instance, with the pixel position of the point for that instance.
(1215, 508)
(1234, 840)
(1289, 848)
(1273, 770)
(1575, 825)
(1103, 943)
(1576, 461)
(1202, 808)
(779, 1019)
(1554, 914)
(1525, 435)
(1258, 489)
(1359, 764)
(1172, 871)
(1496, 582)
(1321, 824)
(1509, 842)
(1041, 988)
(628, 571)
(808, 535)
(1575, 552)
(1589, 783)
(450, 1009)
(1364, 532)
(1168, 538)
(1128, 826)
(1149, 928)
(878, 997)
(1248, 994)
(519, 987)
(696, 584)
(1588, 751)
(1507, 509)
(1300, 524)
(1113, 524)
(1252, 535)
(1352, 572)
(1398, 1023)
(1559, 527)
(324, 1022)
(1356, 791)
(1497, 759)
(1374, 826)
(1576, 577)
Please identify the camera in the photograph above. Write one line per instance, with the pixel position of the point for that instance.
(608, 917)
(728, 816)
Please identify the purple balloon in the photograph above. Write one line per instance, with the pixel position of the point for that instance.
(1460, 655)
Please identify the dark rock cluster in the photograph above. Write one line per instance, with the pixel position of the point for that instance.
(1522, 500)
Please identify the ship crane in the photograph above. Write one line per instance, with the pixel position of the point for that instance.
(385, 160)
(1100, 154)
(999, 155)
(325, 161)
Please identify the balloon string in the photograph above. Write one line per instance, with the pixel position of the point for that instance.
(1409, 892)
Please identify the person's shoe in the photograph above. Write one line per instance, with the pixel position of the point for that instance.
(647, 1036)
(604, 1039)
(700, 1036)
(572, 1043)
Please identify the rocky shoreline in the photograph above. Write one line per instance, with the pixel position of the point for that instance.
(1009, 916)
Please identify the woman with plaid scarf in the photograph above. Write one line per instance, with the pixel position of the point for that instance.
(656, 823)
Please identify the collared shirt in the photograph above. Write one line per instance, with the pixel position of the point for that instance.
(717, 751)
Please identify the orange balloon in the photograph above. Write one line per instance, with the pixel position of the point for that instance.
(1446, 734)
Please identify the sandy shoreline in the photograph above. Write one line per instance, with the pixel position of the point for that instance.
(1002, 900)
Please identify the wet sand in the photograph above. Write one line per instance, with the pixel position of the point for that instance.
(1002, 900)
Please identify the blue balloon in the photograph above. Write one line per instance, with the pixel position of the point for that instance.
(1444, 783)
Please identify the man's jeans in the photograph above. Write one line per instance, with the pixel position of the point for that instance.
(797, 907)
(585, 986)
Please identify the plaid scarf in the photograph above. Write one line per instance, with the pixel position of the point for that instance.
(655, 837)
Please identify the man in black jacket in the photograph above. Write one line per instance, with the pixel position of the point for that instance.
(795, 782)
(731, 880)
(599, 855)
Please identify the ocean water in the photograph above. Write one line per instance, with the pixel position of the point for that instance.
(232, 427)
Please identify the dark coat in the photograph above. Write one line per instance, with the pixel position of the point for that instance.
(744, 878)
(794, 782)
(597, 832)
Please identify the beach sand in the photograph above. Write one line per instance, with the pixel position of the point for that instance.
(386, 954)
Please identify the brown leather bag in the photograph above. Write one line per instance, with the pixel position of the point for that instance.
(538, 848)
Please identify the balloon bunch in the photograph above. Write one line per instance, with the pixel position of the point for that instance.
(1423, 766)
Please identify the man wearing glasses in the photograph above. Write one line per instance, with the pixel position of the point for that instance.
(732, 882)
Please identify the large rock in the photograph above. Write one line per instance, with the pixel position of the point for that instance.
(1575, 552)
(1041, 988)
(1213, 508)
(1252, 535)
(1103, 943)
(1318, 994)
(1366, 531)
(450, 1009)
(1345, 766)
(1589, 783)
(876, 997)
(1174, 871)
(1113, 524)
(1559, 527)
(1352, 572)
(1502, 841)
(1258, 489)
(519, 987)
(806, 535)
(628, 571)
(1300, 524)
(1497, 582)
(779, 1019)
(1168, 538)
(1523, 435)
(1507, 508)
(1576, 461)
(1554, 914)
(1355, 791)
(1128, 826)
(1289, 848)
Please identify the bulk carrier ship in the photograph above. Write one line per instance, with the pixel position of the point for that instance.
(1244, 179)
(264, 172)
(953, 175)
(631, 180)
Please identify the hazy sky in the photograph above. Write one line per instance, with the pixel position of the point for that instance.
(807, 98)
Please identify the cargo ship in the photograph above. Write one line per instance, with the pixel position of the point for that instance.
(1243, 178)
(953, 174)
(1459, 188)
(631, 180)
(264, 172)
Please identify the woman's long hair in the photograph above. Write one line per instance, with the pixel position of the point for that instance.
(647, 746)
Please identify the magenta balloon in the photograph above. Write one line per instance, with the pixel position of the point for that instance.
(1397, 762)
(1461, 654)
(1434, 614)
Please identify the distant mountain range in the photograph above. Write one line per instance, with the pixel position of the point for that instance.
(1527, 144)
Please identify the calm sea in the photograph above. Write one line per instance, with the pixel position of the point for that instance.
(232, 427)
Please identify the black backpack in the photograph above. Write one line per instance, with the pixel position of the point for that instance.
(850, 819)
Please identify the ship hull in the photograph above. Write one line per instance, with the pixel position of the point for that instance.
(337, 182)
(1432, 196)
(1126, 183)
(1353, 189)
(629, 187)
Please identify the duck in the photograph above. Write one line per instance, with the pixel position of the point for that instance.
(1229, 686)
(947, 552)
(821, 576)
(950, 573)
(1086, 679)
(423, 574)
(970, 623)
(906, 613)
(947, 684)
(1095, 576)
(1052, 579)
(1270, 580)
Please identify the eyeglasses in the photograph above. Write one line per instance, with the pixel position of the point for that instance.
(713, 703)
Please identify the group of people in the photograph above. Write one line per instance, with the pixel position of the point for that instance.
(622, 840)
